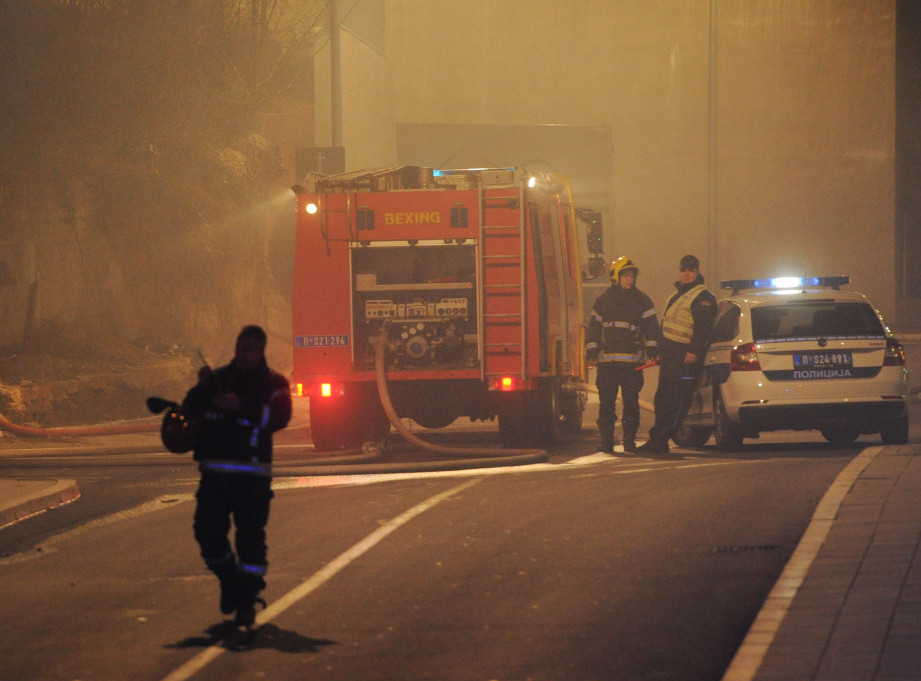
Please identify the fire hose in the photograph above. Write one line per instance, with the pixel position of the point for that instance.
(508, 456)
(76, 431)
(475, 456)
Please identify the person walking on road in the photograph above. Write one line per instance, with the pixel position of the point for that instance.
(687, 324)
(622, 331)
(238, 407)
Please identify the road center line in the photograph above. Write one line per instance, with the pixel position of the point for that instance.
(188, 669)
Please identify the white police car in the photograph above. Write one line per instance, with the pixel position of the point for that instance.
(798, 354)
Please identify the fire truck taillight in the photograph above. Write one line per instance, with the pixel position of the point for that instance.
(311, 208)
(327, 390)
(507, 383)
(297, 390)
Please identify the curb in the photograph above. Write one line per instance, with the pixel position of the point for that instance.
(23, 502)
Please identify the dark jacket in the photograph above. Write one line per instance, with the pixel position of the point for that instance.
(244, 435)
(623, 327)
(703, 310)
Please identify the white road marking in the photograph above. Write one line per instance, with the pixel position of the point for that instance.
(626, 464)
(319, 578)
(750, 654)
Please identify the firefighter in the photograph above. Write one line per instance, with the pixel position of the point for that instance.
(687, 324)
(621, 332)
(239, 406)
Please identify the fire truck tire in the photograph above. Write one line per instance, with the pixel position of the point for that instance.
(347, 423)
(573, 407)
(327, 428)
(434, 419)
(514, 421)
(529, 419)
(549, 412)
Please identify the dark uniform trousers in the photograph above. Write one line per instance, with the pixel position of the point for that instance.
(611, 377)
(677, 382)
(244, 497)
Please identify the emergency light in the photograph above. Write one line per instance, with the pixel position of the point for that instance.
(785, 283)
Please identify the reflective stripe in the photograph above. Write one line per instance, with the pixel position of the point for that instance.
(252, 569)
(635, 358)
(226, 558)
(621, 325)
(678, 322)
(252, 468)
(651, 312)
(254, 435)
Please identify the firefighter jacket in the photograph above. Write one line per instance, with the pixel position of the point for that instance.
(623, 327)
(689, 315)
(239, 441)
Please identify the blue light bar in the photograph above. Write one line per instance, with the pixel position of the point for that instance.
(786, 283)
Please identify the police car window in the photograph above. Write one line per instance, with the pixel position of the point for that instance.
(726, 326)
(815, 319)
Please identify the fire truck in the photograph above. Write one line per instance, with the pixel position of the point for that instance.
(471, 280)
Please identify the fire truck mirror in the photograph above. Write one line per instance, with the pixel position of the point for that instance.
(595, 234)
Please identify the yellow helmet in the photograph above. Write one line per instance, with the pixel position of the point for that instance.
(619, 265)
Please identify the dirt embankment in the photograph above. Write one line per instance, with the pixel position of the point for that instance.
(58, 381)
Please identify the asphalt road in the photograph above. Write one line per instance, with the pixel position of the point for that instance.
(584, 568)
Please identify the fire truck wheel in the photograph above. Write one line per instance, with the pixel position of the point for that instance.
(549, 412)
(573, 407)
(531, 418)
(514, 421)
(434, 419)
(347, 422)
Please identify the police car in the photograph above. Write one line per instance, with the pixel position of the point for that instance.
(798, 353)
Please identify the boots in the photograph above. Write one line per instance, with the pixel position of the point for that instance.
(630, 427)
(606, 431)
(226, 571)
(248, 586)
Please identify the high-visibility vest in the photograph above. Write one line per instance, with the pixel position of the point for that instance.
(678, 322)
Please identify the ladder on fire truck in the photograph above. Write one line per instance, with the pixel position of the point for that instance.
(502, 284)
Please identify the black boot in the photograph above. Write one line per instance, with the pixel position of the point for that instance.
(606, 431)
(654, 447)
(226, 571)
(630, 428)
(248, 587)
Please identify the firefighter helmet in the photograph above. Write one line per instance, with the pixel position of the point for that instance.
(619, 265)
(178, 432)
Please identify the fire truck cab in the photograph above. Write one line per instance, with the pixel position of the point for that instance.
(470, 277)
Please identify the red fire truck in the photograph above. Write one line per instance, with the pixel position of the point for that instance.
(472, 280)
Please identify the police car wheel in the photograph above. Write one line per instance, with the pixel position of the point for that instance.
(692, 436)
(728, 434)
(840, 435)
(895, 431)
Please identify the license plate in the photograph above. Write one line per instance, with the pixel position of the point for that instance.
(823, 360)
(321, 341)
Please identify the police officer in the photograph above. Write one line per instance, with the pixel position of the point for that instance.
(239, 406)
(621, 331)
(687, 324)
